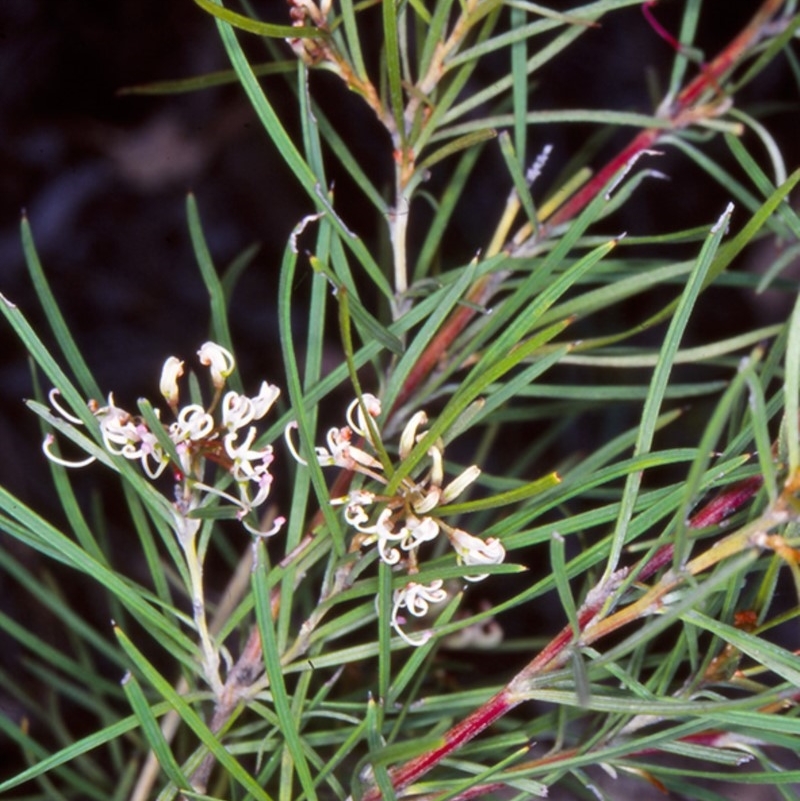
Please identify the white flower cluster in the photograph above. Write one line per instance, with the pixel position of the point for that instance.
(198, 436)
(407, 518)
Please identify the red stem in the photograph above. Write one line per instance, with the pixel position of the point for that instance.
(461, 733)
(681, 114)
(658, 27)
(556, 652)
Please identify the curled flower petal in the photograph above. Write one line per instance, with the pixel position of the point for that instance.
(259, 475)
(237, 411)
(219, 361)
(475, 551)
(277, 525)
(356, 517)
(344, 454)
(373, 407)
(417, 599)
(359, 496)
(242, 452)
(426, 500)
(194, 423)
(417, 531)
(154, 460)
(168, 384)
(338, 452)
(384, 533)
(287, 436)
(460, 483)
(409, 436)
(263, 402)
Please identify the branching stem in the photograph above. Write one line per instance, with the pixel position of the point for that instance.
(595, 621)
(688, 108)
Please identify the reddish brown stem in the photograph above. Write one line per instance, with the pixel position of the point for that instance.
(726, 503)
(555, 654)
(458, 321)
(461, 733)
(682, 113)
(658, 27)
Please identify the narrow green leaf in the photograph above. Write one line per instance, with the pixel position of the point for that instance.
(220, 330)
(691, 15)
(466, 394)
(290, 154)
(776, 659)
(385, 603)
(518, 177)
(660, 378)
(63, 336)
(519, 88)
(43, 536)
(541, 57)
(202, 82)
(415, 664)
(353, 37)
(394, 73)
(294, 387)
(516, 495)
(505, 353)
(255, 26)
(272, 662)
(705, 450)
(50, 762)
(447, 298)
(152, 731)
(375, 742)
(464, 142)
(371, 328)
(193, 721)
(558, 564)
(792, 391)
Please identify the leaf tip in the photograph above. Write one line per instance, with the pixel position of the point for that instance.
(8, 303)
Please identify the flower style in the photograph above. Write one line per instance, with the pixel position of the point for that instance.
(196, 433)
(407, 518)
(417, 599)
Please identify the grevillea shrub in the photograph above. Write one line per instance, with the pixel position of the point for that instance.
(499, 527)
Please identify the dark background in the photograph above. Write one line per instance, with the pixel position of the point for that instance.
(103, 180)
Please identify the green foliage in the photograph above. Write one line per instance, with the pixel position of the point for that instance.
(347, 657)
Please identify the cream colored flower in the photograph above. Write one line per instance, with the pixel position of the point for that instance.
(475, 551)
(219, 361)
(168, 385)
(416, 599)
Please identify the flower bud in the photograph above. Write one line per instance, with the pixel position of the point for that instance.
(170, 373)
(218, 360)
